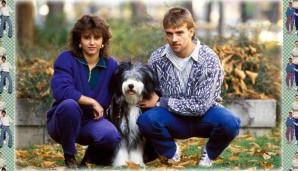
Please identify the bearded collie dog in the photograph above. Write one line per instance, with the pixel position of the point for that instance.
(130, 83)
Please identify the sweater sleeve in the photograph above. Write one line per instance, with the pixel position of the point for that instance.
(62, 82)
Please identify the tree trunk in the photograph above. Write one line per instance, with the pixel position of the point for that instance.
(25, 23)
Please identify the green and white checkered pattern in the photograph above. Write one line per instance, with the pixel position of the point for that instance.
(289, 150)
(9, 45)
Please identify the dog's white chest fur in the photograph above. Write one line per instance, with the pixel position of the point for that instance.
(134, 113)
(124, 153)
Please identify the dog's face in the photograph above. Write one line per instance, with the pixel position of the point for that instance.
(134, 82)
(132, 90)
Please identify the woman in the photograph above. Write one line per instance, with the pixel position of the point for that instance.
(80, 89)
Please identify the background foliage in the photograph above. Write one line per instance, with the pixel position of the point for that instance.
(133, 41)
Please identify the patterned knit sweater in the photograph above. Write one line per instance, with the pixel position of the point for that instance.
(203, 86)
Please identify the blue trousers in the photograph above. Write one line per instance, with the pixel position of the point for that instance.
(5, 19)
(4, 25)
(160, 127)
(3, 76)
(3, 131)
(296, 73)
(68, 126)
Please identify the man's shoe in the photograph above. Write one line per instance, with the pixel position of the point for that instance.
(70, 161)
(173, 160)
(205, 161)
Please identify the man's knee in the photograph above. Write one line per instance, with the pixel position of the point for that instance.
(231, 127)
(146, 121)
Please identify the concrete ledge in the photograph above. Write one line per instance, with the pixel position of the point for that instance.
(255, 113)
(31, 135)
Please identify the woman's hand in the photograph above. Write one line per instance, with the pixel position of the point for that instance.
(97, 108)
(149, 103)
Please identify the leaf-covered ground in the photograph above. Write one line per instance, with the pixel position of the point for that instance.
(246, 152)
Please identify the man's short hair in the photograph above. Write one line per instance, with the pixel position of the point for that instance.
(177, 17)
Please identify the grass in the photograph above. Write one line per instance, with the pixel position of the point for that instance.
(245, 152)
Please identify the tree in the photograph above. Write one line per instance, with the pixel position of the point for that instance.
(25, 23)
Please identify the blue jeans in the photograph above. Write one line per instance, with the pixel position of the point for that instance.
(68, 126)
(296, 73)
(160, 127)
(5, 19)
(3, 76)
(3, 131)
(4, 25)
(296, 19)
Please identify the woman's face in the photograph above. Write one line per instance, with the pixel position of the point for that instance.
(91, 42)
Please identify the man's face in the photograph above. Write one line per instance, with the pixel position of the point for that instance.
(3, 114)
(290, 60)
(3, 4)
(296, 43)
(179, 38)
(296, 155)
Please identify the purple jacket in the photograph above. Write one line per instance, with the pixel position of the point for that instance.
(70, 82)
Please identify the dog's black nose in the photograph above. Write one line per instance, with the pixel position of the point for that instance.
(130, 86)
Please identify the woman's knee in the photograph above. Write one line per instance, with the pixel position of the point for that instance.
(69, 108)
(107, 138)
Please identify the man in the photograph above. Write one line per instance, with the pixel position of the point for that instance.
(295, 62)
(290, 69)
(290, 128)
(190, 77)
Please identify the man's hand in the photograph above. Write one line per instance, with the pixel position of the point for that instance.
(150, 103)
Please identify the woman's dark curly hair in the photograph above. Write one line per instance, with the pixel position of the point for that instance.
(88, 22)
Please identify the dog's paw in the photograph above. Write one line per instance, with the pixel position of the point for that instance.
(119, 164)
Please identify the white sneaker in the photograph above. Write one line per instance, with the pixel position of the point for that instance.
(176, 157)
(4, 142)
(204, 160)
(4, 32)
(296, 142)
(4, 88)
